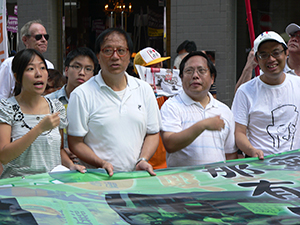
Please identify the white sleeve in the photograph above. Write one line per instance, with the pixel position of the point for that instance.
(170, 117)
(77, 115)
(153, 114)
(240, 107)
(49, 64)
(7, 80)
(229, 145)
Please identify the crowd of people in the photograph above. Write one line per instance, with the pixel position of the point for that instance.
(87, 117)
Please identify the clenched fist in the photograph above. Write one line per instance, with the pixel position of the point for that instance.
(50, 122)
(214, 123)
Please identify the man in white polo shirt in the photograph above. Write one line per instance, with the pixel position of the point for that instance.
(113, 117)
(197, 128)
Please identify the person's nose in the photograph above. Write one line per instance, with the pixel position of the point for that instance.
(196, 75)
(43, 38)
(115, 55)
(271, 58)
(294, 39)
(38, 73)
(82, 71)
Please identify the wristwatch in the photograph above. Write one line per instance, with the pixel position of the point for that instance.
(140, 159)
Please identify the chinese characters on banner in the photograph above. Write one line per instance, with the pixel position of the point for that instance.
(242, 191)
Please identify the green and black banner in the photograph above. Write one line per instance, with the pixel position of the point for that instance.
(244, 191)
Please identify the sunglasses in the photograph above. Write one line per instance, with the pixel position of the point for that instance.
(39, 36)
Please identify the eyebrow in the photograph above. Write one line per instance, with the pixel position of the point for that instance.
(32, 64)
(275, 49)
(81, 64)
(198, 67)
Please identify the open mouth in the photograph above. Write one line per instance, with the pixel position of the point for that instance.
(39, 84)
(272, 66)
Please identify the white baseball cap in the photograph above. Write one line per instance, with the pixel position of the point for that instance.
(267, 36)
(292, 28)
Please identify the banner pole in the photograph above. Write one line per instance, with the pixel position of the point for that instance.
(251, 28)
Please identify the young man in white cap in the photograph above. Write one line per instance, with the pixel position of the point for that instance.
(292, 65)
(148, 57)
(266, 109)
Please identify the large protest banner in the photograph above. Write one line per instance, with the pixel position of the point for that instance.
(245, 191)
(3, 32)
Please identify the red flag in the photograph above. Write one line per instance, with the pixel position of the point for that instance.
(251, 28)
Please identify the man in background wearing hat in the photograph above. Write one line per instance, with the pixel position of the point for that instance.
(293, 60)
(266, 109)
(149, 57)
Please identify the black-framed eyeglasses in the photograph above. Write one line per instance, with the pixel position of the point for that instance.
(190, 71)
(39, 36)
(87, 70)
(276, 54)
(108, 52)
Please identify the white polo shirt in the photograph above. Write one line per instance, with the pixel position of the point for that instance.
(181, 112)
(113, 128)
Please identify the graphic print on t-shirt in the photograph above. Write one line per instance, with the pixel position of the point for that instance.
(283, 127)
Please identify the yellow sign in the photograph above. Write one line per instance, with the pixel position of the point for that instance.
(153, 32)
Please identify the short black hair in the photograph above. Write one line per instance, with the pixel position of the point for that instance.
(212, 68)
(82, 51)
(182, 46)
(189, 46)
(105, 33)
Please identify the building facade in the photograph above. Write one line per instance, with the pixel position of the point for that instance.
(215, 25)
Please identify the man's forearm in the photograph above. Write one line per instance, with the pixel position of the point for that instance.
(150, 145)
(244, 144)
(84, 152)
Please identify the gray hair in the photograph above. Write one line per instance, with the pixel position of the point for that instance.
(25, 28)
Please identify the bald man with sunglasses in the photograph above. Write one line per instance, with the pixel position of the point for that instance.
(34, 35)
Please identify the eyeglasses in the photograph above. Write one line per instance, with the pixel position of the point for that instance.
(190, 71)
(87, 70)
(108, 52)
(275, 54)
(295, 35)
(39, 36)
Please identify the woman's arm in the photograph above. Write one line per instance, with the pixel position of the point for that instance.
(11, 150)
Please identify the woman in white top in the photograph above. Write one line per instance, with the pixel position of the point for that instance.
(31, 125)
